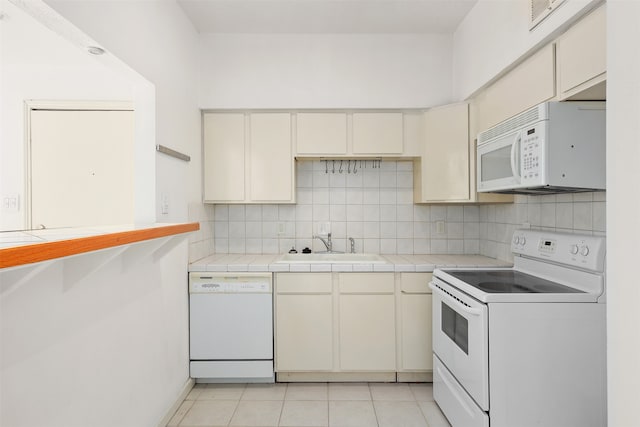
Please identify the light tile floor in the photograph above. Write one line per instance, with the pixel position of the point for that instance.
(310, 405)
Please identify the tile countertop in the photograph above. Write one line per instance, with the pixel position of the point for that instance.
(394, 263)
(19, 248)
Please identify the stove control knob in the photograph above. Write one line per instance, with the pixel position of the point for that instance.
(523, 240)
(516, 240)
(574, 249)
(584, 251)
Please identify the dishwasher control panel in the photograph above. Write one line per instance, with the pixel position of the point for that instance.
(208, 283)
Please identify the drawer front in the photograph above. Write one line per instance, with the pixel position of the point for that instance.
(366, 283)
(415, 283)
(453, 400)
(303, 283)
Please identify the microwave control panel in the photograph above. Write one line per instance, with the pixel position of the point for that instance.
(531, 153)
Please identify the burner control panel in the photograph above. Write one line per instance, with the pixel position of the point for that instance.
(581, 251)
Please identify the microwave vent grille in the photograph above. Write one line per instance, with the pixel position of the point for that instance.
(511, 124)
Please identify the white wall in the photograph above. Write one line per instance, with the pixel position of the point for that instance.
(157, 40)
(324, 71)
(38, 64)
(114, 347)
(103, 350)
(623, 211)
(495, 34)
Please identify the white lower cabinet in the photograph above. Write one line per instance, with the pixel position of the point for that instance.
(367, 322)
(304, 322)
(332, 324)
(415, 322)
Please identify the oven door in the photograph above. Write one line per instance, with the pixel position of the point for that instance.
(461, 339)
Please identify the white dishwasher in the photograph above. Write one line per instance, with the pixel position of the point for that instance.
(231, 327)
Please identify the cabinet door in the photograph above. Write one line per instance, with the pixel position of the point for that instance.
(582, 57)
(415, 306)
(445, 163)
(304, 338)
(367, 322)
(321, 134)
(304, 322)
(529, 84)
(377, 133)
(367, 333)
(224, 154)
(271, 158)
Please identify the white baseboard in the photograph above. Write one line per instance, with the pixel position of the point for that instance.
(324, 377)
(172, 410)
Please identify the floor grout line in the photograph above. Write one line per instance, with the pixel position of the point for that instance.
(386, 402)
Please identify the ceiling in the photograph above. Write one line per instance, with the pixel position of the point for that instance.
(326, 16)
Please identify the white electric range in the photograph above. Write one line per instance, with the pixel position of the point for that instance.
(524, 346)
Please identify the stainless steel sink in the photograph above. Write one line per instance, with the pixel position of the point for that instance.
(331, 258)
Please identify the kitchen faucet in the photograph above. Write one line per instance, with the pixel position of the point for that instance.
(353, 245)
(327, 242)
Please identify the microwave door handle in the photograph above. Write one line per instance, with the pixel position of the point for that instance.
(515, 154)
(450, 300)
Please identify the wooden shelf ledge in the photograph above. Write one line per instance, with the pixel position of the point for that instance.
(45, 251)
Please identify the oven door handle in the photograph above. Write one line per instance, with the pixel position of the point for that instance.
(453, 301)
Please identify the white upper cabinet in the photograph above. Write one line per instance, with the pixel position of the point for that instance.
(248, 158)
(353, 134)
(321, 134)
(377, 133)
(444, 171)
(445, 162)
(224, 157)
(528, 84)
(581, 57)
(271, 166)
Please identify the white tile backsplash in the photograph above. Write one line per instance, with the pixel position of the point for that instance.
(388, 213)
(269, 212)
(404, 213)
(438, 213)
(580, 213)
(201, 242)
(236, 212)
(375, 207)
(355, 213)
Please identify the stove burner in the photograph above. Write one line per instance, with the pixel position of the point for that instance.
(500, 287)
(509, 282)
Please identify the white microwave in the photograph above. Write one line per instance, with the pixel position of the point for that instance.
(554, 147)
